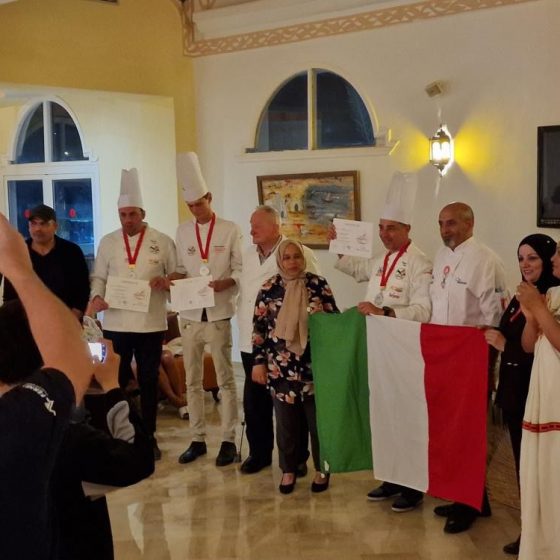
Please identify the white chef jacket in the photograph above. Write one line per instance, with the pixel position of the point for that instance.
(224, 261)
(468, 286)
(254, 275)
(407, 289)
(157, 257)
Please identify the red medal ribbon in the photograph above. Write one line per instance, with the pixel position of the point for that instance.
(204, 253)
(386, 273)
(132, 258)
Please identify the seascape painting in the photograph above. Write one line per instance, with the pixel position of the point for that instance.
(308, 202)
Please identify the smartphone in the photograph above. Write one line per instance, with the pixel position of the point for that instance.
(98, 350)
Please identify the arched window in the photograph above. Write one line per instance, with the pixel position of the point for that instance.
(314, 110)
(57, 139)
(49, 165)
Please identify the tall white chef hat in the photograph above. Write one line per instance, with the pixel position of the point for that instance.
(190, 176)
(130, 189)
(399, 203)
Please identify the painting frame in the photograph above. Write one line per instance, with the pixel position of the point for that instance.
(308, 202)
(548, 176)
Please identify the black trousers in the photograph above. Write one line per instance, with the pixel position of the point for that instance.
(514, 422)
(257, 408)
(146, 350)
(290, 422)
(408, 493)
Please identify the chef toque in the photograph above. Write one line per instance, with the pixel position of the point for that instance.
(399, 203)
(189, 176)
(130, 195)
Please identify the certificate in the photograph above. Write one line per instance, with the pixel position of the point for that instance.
(352, 238)
(128, 293)
(192, 293)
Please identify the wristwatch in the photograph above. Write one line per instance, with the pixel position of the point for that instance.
(388, 311)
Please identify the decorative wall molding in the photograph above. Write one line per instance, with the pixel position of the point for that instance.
(383, 17)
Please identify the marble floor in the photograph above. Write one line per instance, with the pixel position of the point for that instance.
(199, 511)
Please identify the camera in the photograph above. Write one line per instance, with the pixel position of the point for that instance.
(98, 350)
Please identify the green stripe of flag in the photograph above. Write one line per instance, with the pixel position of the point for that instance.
(339, 361)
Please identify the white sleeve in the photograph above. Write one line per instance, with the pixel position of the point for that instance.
(312, 264)
(492, 291)
(236, 262)
(359, 268)
(100, 270)
(419, 307)
(171, 260)
(180, 268)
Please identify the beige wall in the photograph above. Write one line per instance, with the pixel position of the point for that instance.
(121, 131)
(502, 69)
(135, 47)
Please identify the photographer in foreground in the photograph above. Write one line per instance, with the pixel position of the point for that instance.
(34, 406)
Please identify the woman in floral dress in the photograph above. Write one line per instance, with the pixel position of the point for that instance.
(282, 357)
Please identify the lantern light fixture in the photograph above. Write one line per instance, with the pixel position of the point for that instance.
(441, 149)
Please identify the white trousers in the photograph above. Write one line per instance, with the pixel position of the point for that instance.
(195, 336)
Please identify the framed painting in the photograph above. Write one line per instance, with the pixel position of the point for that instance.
(308, 202)
(548, 176)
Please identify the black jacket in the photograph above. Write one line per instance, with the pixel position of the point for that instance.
(92, 455)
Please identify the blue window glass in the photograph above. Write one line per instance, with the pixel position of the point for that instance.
(342, 118)
(22, 197)
(31, 144)
(66, 143)
(283, 124)
(74, 212)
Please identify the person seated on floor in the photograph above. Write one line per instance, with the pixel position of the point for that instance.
(170, 380)
(171, 383)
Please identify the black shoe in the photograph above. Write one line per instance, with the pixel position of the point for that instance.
(460, 520)
(253, 465)
(513, 547)
(227, 454)
(449, 509)
(321, 486)
(157, 450)
(301, 470)
(403, 504)
(385, 491)
(195, 450)
(287, 488)
(444, 511)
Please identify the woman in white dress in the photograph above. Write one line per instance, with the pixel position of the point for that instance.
(540, 446)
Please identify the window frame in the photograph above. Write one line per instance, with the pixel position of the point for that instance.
(383, 144)
(49, 171)
(25, 113)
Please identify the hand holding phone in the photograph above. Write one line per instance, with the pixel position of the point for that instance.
(98, 351)
(106, 371)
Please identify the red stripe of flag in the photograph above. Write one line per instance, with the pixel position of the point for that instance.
(456, 384)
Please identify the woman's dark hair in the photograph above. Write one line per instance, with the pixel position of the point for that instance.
(545, 247)
(19, 355)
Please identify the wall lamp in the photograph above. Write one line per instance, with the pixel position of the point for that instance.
(441, 150)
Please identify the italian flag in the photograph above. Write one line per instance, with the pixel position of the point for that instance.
(428, 398)
(424, 418)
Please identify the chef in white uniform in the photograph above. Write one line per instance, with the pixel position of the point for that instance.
(208, 246)
(140, 252)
